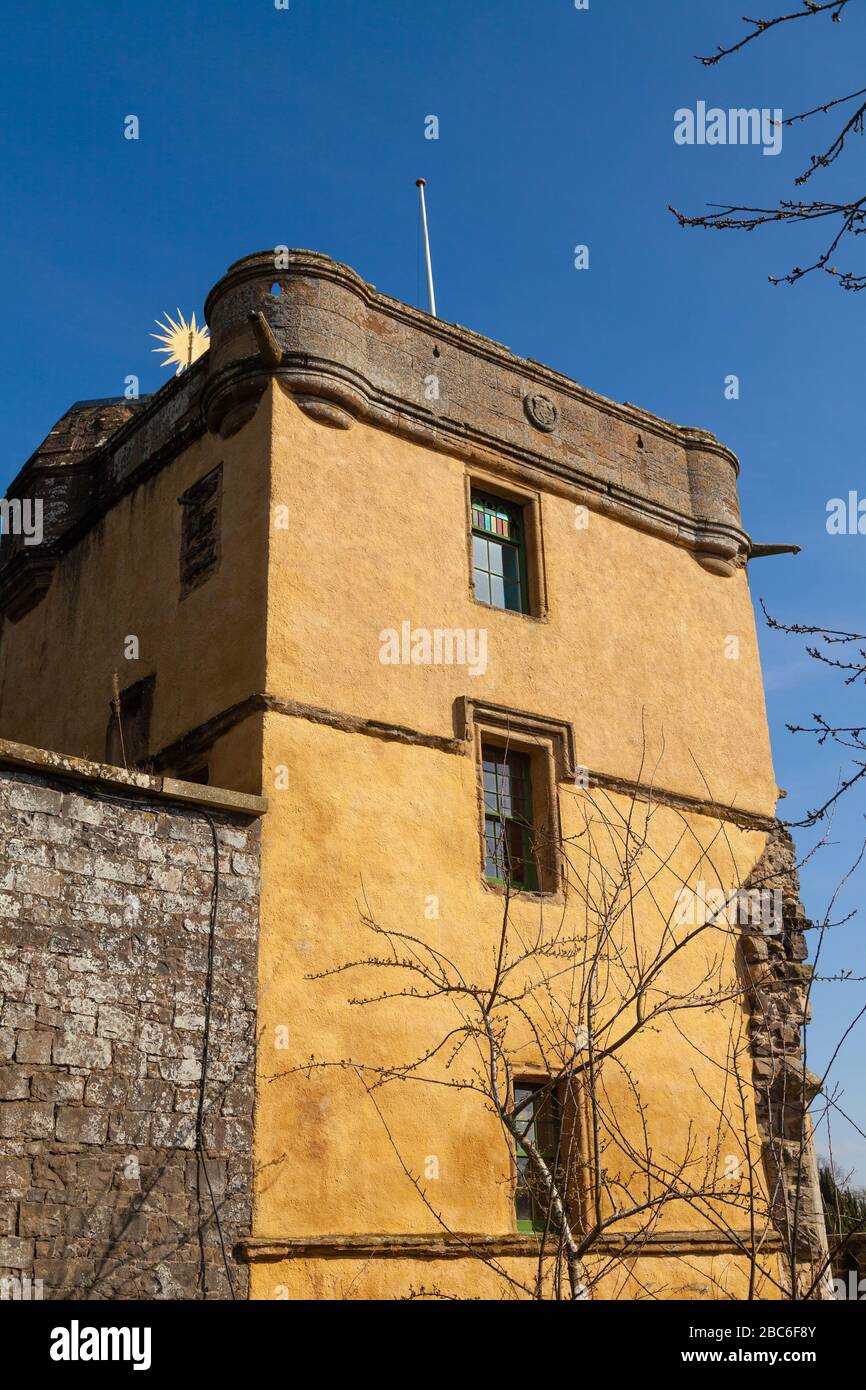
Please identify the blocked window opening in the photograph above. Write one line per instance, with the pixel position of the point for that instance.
(200, 531)
(127, 738)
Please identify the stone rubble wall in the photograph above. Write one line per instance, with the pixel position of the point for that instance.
(779, 983)
(105, 908)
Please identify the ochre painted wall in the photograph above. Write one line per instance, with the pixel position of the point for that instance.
(633, 651)
(698, 1278)
(369, 825)
(636, 629)
(122, 578)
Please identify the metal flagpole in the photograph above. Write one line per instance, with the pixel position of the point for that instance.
(421, 184)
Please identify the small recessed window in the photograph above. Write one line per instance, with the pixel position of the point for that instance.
(499, 553)
(508, 832)
(537, 1113)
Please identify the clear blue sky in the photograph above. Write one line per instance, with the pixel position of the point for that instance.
(306, 127)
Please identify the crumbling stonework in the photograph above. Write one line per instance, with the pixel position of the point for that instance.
(106, 901)
(778, 995)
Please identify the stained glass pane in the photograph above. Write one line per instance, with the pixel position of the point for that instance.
(496, 517)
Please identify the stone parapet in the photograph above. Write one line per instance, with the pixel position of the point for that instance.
(347, 353)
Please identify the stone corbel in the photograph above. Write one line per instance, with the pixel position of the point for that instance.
(232, 400)
(24, 583)
(326, 399)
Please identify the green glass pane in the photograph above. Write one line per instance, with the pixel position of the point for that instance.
(542, 1128)
(494, 866)
(509, 557)
(512, 599)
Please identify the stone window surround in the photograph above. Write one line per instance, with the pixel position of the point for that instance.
(549, 744)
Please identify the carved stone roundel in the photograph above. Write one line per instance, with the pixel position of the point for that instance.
(541, 411)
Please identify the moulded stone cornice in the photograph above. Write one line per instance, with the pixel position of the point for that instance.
(315, 265)
(346, 352)
(334, 395)
(466, 710)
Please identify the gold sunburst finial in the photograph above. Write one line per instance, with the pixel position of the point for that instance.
(183, 342)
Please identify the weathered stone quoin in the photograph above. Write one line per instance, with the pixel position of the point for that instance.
(219, 560)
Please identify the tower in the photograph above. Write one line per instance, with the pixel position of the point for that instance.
(481, 638)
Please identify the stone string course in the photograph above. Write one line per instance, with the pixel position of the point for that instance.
(105, 903)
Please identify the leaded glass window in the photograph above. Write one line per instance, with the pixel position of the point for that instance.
(509, 854)
(499, 553)
(537, 1114)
